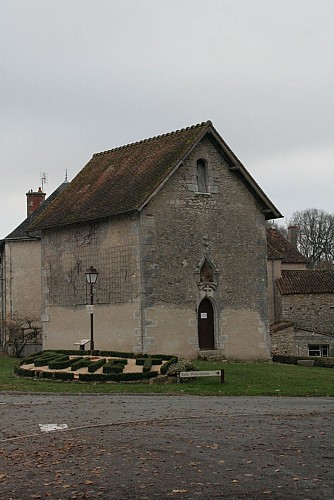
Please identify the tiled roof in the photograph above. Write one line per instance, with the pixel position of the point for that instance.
(279, 247)
(123, 179)
(306, 281)
(20, 232)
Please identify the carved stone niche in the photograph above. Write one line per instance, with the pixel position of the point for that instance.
(206, 273)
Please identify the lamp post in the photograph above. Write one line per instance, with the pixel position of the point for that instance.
(91, 277)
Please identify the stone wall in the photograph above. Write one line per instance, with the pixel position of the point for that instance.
(67, 252)
(283, 339)
(313, 312)
(179, 227)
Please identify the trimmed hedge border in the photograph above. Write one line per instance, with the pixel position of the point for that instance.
(112, 370)
(21, 372)
(80, 363)
(115, 377)
(95, 365)
(293, 360)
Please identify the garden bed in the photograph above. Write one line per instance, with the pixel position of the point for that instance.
(109, 367)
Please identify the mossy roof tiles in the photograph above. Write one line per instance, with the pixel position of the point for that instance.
(279, 247)
(308, 281)
(123, 179)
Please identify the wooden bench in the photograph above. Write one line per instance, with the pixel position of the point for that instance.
(82, 344)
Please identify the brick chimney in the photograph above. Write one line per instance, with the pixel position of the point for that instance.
(34, 200)
(292, 235)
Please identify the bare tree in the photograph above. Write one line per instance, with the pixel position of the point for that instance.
(23, 331)
(315, 236)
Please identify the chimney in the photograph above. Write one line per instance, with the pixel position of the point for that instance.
(34, 200)
(292, 235)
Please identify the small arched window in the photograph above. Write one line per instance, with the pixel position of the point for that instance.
(202, 184)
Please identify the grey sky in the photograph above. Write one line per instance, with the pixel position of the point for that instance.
(82, 76)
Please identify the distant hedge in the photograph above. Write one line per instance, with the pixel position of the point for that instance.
(293, 360)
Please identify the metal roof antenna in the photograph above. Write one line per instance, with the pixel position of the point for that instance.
(44, 179)
(66, 180)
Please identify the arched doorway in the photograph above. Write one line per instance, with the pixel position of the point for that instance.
(206, 338)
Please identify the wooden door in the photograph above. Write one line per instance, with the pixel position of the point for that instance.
(206, 325)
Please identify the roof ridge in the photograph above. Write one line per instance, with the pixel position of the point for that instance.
(198, 125)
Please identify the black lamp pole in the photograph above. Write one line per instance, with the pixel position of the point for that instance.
(91, 277)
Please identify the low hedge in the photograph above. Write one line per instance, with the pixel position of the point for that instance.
(46, 359)
(60, 365)
(72, 352)
(293, 360)
(117, 354)
(156, 361)
(116, 377)
(145, 360)
(46, 374)
(95, 365)
(113, 368)
(64, 375)
(147, 365)
(80, 363)
(118, 361)
(21, 372)
(30, 359)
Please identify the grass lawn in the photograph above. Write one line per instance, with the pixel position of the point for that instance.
(241, 379)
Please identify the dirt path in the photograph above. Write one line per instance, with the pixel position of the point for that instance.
(144, 447)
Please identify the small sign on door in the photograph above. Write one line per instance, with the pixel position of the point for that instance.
(204, 315)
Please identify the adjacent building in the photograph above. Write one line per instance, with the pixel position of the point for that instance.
(20, 277)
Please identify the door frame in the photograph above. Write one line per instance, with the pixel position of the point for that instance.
(214, 326)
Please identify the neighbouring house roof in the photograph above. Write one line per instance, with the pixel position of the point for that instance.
(21, 232)
(306, 281)
(279, 247)
(281, 325)
(123, 179)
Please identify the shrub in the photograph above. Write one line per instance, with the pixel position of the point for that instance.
(172, 360)
(180, 366)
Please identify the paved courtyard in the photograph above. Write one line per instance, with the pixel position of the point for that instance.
(144, 447)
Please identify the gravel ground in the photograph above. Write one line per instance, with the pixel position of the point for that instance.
(144, 447)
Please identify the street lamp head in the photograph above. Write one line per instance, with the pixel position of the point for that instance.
(91, 275)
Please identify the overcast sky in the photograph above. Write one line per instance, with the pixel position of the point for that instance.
(83, 76)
